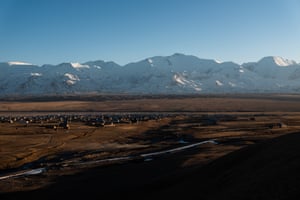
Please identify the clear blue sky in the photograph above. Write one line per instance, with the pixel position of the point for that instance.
(55, 31)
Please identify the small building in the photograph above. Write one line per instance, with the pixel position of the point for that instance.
(65, 124)
(278, 125)
(108, 124)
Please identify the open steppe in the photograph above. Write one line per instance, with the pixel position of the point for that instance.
(254, 144)
(163, 103)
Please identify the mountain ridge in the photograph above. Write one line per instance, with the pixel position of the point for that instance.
(174, 74)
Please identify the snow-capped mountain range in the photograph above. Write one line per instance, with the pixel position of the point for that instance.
(175, 74)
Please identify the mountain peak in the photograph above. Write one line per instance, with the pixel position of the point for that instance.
(279, 61)
(101, 63)
(178, 54)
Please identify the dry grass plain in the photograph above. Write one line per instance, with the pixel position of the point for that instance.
(234, 122)
(228, 103)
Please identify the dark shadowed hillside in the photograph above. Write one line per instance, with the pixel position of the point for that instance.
(268, 170)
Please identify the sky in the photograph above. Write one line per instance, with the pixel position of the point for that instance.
(56, 31)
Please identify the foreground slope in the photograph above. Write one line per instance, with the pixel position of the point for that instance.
(268, 170)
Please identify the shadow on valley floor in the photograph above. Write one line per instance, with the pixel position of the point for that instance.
(265, 170)
(111, 181)
(114, 180)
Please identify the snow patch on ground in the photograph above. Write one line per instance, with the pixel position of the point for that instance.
(219, 83)
(283, 62)
(217, 61)
(36, 74)
(181, 80)
(232, 84)
(72, 79)
(97, 67)
(150, 61)
(78, 65)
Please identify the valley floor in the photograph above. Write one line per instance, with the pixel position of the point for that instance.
(253, 154)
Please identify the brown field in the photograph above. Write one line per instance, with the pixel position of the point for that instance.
(238, 124)
(229, 103)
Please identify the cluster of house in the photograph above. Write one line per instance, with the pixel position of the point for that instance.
(55, 121)
(58, 120)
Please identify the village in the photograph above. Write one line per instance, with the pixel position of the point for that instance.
(64, 121)
(60, 121)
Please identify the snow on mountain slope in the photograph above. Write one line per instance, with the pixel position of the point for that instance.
(273, 67)
(18, 63)
(276, 60)
(78, 65)
(175, 74)
(283, 62)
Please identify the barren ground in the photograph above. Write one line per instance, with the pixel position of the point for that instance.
(233, 122)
